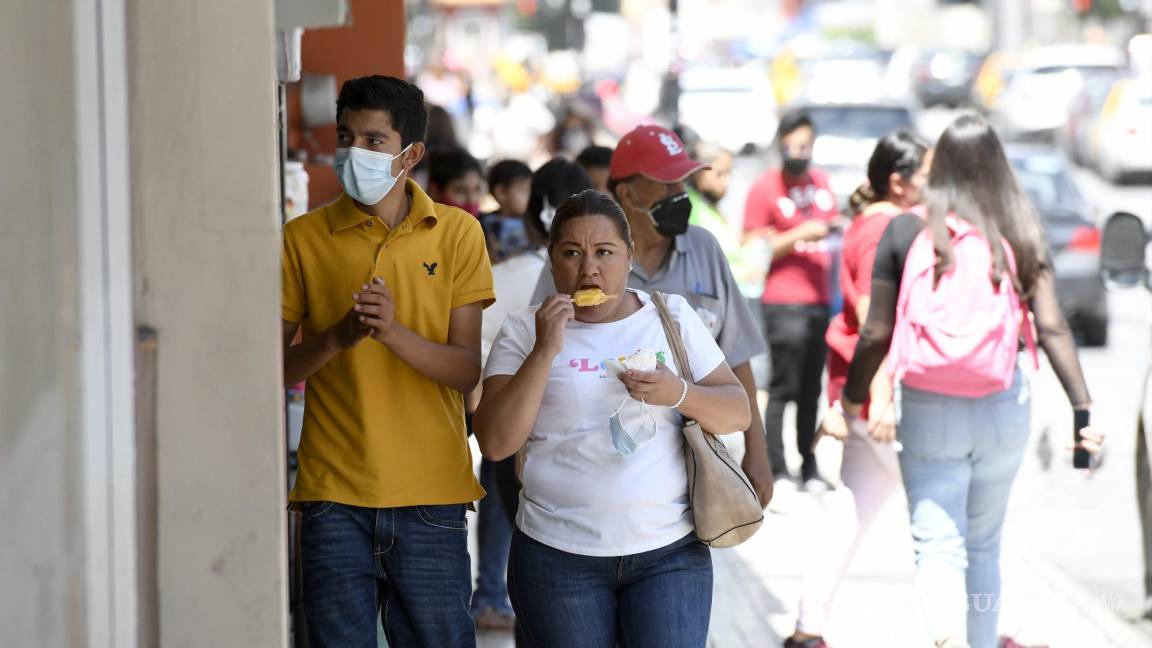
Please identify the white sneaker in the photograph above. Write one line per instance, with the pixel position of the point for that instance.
(817, 486)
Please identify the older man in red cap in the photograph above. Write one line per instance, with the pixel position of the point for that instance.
(647, 174)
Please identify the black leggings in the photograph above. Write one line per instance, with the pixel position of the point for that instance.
(796, 340)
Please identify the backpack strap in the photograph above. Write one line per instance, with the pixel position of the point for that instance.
(1025, 311)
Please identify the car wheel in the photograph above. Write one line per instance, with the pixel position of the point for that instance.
(1094, 331)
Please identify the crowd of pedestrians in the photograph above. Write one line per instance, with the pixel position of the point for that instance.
(417, 319)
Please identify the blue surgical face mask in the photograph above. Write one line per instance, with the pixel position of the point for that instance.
(366, 175)
(642, 428)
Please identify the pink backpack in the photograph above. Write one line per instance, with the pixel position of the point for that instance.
(959, 337)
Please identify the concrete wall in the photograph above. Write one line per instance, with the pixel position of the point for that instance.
(42, 568)
(205, 201)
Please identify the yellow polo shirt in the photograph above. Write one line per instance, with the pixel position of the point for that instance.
(377, 433)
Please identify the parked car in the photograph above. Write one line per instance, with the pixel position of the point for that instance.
(945, 77)
(1074, 239)
(1122, 135)
(844, 69)
(1127, 263)
(995, 73)
(732, 106)
(1036, 99)
(846, 134)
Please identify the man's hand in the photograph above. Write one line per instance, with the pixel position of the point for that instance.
(812, 230)
(759, 472)
(348, 332)
(377, 309)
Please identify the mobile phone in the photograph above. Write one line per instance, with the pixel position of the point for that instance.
(1081, 458)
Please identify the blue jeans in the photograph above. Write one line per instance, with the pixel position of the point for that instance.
(959, 460)
(408, 565)
(494, 537)
(657, 598)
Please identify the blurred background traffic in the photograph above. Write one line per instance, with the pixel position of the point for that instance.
(1068, 82)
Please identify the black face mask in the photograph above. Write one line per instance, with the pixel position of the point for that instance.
(796, 166)
(671, 214)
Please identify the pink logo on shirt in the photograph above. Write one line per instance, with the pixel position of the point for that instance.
(587, 365)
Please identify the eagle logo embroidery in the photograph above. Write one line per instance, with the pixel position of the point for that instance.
(431, 268)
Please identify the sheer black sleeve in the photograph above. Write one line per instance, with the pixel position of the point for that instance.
(876, 333)
(1054, 336)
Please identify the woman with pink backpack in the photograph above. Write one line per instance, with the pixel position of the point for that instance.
(952, 290)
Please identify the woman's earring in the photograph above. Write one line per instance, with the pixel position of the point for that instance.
(629, 267)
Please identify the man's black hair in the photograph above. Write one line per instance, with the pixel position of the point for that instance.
(595, 157)
(505, 172)
(793, 121)
(403, 102)
(448, 165)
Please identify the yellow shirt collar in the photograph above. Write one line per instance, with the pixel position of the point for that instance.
(344, 214)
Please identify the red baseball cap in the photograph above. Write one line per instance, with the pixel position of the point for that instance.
(653, 152)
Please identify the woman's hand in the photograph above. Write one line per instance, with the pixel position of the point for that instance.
(551, 318)
(1092, 441)
(658, 387)
(882, 422)
(834, 425)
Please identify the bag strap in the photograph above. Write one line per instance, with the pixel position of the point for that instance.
(672, 332)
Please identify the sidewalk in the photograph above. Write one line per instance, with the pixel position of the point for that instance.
(758, 584)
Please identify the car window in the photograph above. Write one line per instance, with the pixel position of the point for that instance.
(1046, 181)
(859, 121)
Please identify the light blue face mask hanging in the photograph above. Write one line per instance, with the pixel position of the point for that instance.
(366, 175)
(627, 442)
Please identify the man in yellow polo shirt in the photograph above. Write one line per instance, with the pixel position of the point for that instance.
(387, 289)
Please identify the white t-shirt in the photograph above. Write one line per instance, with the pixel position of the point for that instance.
(579, 494)
(513, 281)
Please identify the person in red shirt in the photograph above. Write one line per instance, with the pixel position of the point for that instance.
(793, 208)
(897, 173)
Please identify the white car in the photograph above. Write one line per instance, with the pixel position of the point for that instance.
(1122, 135)
(731, 106)
(1036, 100)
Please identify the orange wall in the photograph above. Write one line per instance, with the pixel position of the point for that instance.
(372, 44)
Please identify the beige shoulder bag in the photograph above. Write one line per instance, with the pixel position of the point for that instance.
(724, 504)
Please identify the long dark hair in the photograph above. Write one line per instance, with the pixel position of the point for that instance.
(898, 152)
(972, 178)
(555, 181)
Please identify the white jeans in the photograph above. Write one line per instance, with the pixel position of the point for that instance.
(871, 473)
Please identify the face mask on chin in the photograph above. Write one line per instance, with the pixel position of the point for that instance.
(670, 215)
(713, 197)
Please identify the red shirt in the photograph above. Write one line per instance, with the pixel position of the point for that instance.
(860, 242)
(781, 204)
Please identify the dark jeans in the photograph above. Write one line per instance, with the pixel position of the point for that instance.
(796, 340)
(657, 598)
(494, 537)
(410, 565)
